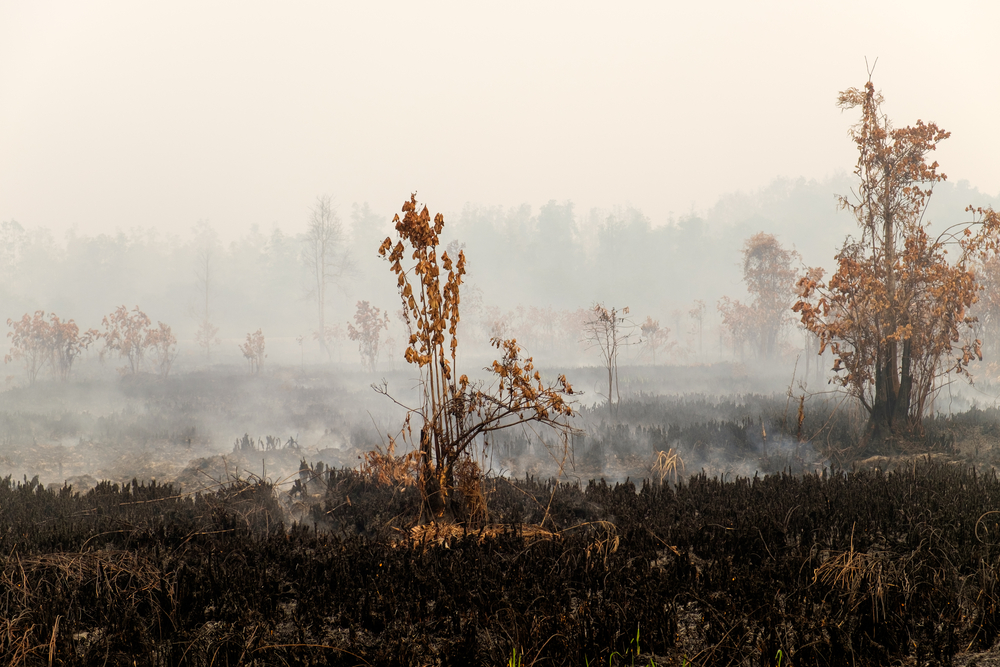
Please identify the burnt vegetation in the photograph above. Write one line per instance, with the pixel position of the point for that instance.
(852, 568)
(472, 522)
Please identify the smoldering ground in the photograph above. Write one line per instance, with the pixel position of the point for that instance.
(202, 427)
(147, 427)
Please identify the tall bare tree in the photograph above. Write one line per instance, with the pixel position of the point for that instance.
(208, 334)
(609, 330)
(697, 315)
(206, 251)
(327, 258)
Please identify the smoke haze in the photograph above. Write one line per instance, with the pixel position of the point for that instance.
(170, 157)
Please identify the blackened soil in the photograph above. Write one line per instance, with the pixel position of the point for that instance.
(865, 568)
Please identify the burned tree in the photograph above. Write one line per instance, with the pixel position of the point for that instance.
(207, 335)
(895, 314)
(370, 321)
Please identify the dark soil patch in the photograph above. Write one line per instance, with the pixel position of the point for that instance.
(866, 568)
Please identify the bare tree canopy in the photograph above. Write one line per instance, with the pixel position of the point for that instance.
(327, 258)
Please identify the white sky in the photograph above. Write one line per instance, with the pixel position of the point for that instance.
(123, 114)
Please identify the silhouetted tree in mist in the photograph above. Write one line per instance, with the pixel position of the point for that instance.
(207, 335)
(327, 258)
(609, 331)
(370, 322)
(253, 351)
(770, 279)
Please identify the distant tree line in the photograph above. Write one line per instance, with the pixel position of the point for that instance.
(556, 263)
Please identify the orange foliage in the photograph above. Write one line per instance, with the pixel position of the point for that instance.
(125, 333)
(896, 312)
(37, 342)
(253, 351)
(655, 337)
(130, 335)
(371, 321)
(164, 346)
(456, 411)
(770, 280)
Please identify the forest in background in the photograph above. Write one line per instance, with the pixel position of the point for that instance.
(531, 274)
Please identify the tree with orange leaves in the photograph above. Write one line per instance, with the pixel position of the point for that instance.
(456, 412)
(29, 340)
(371, 321)
(67, 344)
(54, 342)
(655, 337)
(130, 335)
(770, 279)
(253, 351)
(164, 346)
(125, 334)
(895, 314)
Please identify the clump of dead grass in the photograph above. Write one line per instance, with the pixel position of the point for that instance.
(861, 575)
(668, 464)
(384, 467)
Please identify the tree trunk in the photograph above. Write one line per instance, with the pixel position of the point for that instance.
(905, 392)
(430, 481)
(891, 415)
(888, 410)
(321, 298)
(611, 408)
(880, 421)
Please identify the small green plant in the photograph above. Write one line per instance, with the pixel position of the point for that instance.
(514, 660)
(631, 654)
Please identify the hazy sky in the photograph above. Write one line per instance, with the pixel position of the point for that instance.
(123, 114)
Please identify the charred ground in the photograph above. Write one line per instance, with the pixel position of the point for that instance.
(860, 568)
(257, 550)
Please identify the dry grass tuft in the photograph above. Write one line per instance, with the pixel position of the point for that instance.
(860, 575)
(389, 469)
(668, 463)
(469, 480)
(440, 534)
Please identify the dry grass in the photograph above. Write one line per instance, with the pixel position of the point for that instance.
(440, 533)
(606, 542)
(668, 463)
(105, 568)
(18, 639)
(469, 480)
(389, 469)
(119, 573)
(860, 575)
